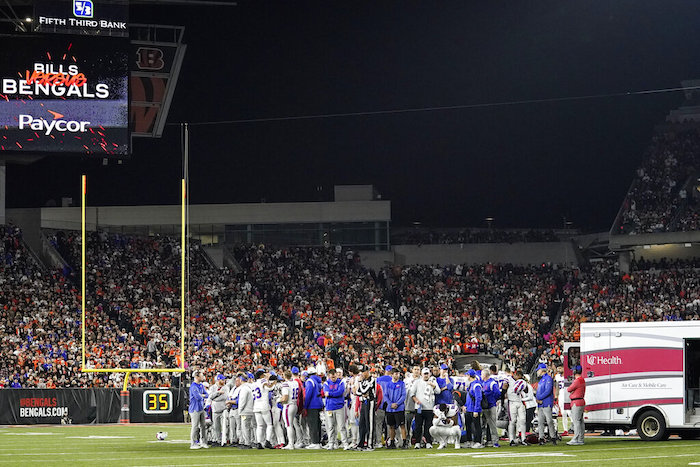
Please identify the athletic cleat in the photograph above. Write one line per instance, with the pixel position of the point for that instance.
(289, 447)
(417, 446)
(477, 446)
(195, 446)
(441, 446)
(458, 446)
(428, 445)
(496, 445)
(204, 446)
(566, 433)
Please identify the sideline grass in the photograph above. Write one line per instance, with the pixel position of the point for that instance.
(136, 445)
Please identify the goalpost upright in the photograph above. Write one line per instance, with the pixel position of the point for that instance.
(127, 371)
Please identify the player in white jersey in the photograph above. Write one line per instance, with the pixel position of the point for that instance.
(445, 427)
(352, 406)
(516, 409)
(562, 399)
(300, 427)
(289, 397)
(277, 423)
(261, 408)
(234, 416)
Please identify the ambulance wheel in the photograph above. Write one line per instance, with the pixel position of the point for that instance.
(651, 426)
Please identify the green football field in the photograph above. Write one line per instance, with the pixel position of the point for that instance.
(136, 445)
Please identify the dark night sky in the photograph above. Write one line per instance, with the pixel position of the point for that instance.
(525, 165)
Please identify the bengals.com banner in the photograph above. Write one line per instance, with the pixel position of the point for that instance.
(54, 406)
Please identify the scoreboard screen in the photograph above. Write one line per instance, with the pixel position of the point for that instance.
(64, 94)
(157, 402)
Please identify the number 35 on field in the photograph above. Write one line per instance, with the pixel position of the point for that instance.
(157, 402)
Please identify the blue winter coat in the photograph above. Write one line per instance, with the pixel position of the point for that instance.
(335, 392)
(474, 395)
(445, 397)
(545, 391)
(312, 393)
(395, 394)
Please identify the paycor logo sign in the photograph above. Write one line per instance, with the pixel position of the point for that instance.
(48, 126)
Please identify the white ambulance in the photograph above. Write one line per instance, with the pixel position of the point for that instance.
(640, 375)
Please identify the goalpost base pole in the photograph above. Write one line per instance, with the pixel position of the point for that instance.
(125, 415)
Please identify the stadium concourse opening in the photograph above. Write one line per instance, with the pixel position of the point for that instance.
(85, 368)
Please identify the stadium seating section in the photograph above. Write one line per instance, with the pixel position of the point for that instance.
(297, 306)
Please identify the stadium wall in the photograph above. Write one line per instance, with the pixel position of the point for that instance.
(84, 406)
(253, 213)
(474, 253)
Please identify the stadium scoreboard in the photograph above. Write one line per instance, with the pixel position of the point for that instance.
(64, 88)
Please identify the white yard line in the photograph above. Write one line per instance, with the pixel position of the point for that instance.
(569, 461)
(258, 458)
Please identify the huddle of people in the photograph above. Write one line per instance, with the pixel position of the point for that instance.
(363, 410)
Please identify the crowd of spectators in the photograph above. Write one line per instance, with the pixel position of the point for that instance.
(421, 236)
(658, 190)
(689, 218)
(664, 263)
(39, 321)
(600, 293)
(506, 308)
(300, 306)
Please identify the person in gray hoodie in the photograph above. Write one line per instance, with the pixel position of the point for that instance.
(218, 395)
(234, 417)
(245, 410)
(423, 393)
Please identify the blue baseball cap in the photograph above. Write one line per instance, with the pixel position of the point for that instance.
(388, 368)
(541, 366)
(272, 373)
(444, 367)
(578, 369)
(220, 376)
(244, 377)
(250, 375)
(304, 373)
(295, 370)
(472, 373)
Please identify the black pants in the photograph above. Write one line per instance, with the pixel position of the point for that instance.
(313, 418)
(367, 424)
(529, 417)
(423, 422)
(475, 426)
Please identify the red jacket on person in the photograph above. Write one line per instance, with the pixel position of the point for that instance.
(577, 391)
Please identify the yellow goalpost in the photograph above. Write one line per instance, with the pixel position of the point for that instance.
(127, 371)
